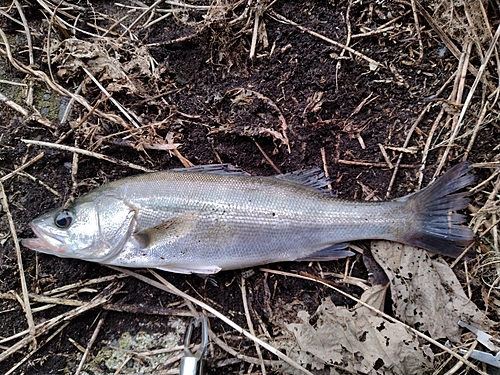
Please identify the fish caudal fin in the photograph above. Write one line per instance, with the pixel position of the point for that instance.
(435, 226)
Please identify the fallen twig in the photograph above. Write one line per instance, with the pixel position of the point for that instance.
(24, 286)
(405, 144)
(250, 324)
(168, 287)
(24, 166)
(373, 64)
(472, 90)
(90, 343)
(36, 116)
(46, 326)
(269, 160)
(87, 153)
(361, 163)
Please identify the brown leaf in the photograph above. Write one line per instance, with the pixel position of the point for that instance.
(426, 293)
(359, 340)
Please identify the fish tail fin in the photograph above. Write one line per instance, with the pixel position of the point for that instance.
(435, 225)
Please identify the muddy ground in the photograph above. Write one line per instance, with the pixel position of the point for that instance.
(298, 97)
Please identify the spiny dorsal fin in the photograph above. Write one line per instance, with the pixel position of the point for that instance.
(213, 169)
(313, 178)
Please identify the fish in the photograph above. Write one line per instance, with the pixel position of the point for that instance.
(213, 218)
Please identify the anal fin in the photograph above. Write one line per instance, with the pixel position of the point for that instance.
(198, 270)
(333, 252)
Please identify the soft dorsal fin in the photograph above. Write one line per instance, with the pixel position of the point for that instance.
(313, 178)
(213, 169)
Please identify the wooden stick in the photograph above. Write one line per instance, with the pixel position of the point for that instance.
(460, 85)
(250, 323)
(269, 160)
(168, 287)
(24, 166)
(88, 153)
(91, 342)
(24, 286)
(371, 164)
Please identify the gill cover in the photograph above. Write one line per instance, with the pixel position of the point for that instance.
(115, 223)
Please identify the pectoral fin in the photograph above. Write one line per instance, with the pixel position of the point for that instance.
(168, 231)
(332, 252)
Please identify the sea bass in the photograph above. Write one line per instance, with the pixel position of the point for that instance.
(216, 217)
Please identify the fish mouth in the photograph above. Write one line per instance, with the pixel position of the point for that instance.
(44, 242)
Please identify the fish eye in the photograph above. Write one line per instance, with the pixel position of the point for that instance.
(63, 219)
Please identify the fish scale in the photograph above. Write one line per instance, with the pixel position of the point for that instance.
(211, 218)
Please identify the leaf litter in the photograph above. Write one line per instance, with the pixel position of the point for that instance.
(422, 286)
(359, 341)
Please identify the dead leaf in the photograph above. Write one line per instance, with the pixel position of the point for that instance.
(103, 57)
(261, 122)
(426, 293)
(358, 340)
(376, 274)
(314, 103)
(375, 297)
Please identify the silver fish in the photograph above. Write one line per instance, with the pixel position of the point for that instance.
(211, 218)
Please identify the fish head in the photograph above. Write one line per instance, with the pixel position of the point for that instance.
(92, 228)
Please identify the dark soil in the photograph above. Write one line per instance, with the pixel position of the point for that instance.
(195, 77)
